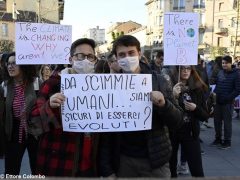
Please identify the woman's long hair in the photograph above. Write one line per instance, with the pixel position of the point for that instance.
(28, 71)
(195, 81)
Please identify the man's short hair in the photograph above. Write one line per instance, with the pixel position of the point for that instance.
(159, 54)
(81, 41)
(125, 40)
(227, 58)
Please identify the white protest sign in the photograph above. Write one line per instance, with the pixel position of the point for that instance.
(180, 38)
(38, 43)
(106, 102)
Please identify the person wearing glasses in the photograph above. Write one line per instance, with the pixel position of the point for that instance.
(190, 95)
(64, 153)
(20, 92)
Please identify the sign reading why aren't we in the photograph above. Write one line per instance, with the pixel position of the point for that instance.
(38, 43)
(106, 102)
(181, 38)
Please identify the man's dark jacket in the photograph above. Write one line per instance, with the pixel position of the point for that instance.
(158, 144)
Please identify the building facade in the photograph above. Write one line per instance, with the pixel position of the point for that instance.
(98, 35)
(218, 23)
(11, 11)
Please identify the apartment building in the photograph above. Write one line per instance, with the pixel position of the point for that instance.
(223, 25)
(11, 11)
(218, 23)
(97, 34)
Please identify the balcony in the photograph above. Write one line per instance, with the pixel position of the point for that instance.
(222, 31)
(199, 6)
(202, 27)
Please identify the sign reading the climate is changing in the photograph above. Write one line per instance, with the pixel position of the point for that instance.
(106, 102)
(180, 38)
(38, 43)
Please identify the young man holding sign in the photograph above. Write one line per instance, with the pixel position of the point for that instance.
(65, 153)
(141, 153)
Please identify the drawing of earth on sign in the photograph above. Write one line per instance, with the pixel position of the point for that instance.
(190, 32)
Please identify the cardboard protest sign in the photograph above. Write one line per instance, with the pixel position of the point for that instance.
(180, 38)
(38, 43)
(106, 102)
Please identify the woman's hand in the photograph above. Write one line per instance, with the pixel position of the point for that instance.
(189, 106)
(56, 100)
(177, 89)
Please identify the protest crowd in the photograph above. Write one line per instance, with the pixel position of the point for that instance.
(183, 99)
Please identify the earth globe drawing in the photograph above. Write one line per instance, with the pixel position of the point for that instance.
(190, 32)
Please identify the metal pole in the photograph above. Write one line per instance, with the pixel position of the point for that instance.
(213, 21)
(38, 12)
(235, 45)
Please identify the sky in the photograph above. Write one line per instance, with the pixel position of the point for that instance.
(86, 14)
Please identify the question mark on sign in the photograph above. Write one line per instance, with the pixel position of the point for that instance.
(147, 111)
(67, 50)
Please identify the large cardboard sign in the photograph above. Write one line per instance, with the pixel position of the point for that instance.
(180, 38)
(38, 43)
(106, 102)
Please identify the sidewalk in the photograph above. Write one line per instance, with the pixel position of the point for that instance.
(216, 162)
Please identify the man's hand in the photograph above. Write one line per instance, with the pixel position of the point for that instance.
(157, 98)
(56, 100)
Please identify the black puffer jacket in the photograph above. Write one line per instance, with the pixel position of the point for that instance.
(158, 142)
(199, 114)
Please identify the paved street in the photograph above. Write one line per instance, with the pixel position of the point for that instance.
(216, 162)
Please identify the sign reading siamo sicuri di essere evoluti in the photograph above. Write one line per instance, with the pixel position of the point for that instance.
(106, 102)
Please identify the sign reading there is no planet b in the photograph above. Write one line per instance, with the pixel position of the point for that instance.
(180, 38)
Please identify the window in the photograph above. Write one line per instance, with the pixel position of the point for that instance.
(178, 4)
(234, 22)
(233, 40)
(201, 38)
(160, 4)
(201, 19)
(220, 41)
(4, 29)
(220, 23)
(3, 5)
(158, 20)
(220, 8)
(199, 4)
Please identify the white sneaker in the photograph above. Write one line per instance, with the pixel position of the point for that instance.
(182, 169)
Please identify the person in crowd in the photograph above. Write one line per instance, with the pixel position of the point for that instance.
(2, 105)
(2, 134)
(157, 63)
(45, 72)
(216, 68)
(65, 153)
(20, 92)
(112, 63)
(190, 95)
(227, 88)
(141, 153)
(102, 67)
(2, 64)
